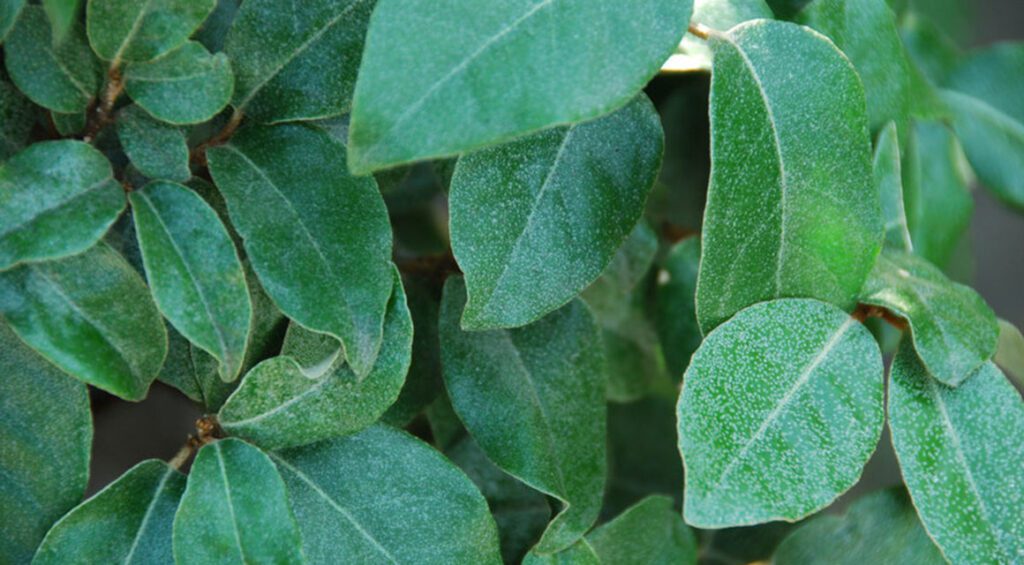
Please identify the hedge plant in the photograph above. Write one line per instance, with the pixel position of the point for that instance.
(473, 282)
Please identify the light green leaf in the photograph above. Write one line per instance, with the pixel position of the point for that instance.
(62, 78)
(515, 68)
(959, 453)
(63, 15)
(889, 179)
(17, 116)
(156, 149)
(643, 458)
(298, 61)
(235, 509)
(91, 315)
(325, 261)
(721, 15)
(880, 527)
(649, 532)
(135, 31)
(579, 553)
(987, 75)
(676, 315)
(309, 394)
(533, 398)
(792, 210)
(9, 12)
(780, 410)
(194, 271)
(186, 86)
(954, 331)
(383, 496)
(129, 521)
(45, 438)
(535, 221)
(932, 51)
(1010, 353)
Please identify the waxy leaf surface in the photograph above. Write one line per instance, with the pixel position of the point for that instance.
(649, 532)
(157, 150)
(185, 86)
(136, 30)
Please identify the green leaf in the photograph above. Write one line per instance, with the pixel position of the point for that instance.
(1010, 353)
(513, 69)
(608, 296)
(63, 15)
(156, 149)
(889, 179)
(69, 124)
(780, 410)
(214, 30)
(129, 521)
(580, 553)
(17, 116)
(535, 221)
(57, 198)
(325, 261)
(383, 496)
(959, 453)
(235, 509)
(933, 52)
(194, 271)
(986, 73)
(423, 383)
(194, 372)
(649, 532)
(792, 210)
(721, 15)
(63, 78)
(45, 438)
(304, 70)
(643, 458)
(309, 394)
(91, 315)
(186, 86)
(533, 398)
(9, 12)
(865, 30)
(880, 527)
(954, 331)
(676, 315)
(134, 31)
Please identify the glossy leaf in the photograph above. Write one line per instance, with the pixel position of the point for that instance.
(62, 78)
(792, 210)
(649, 532)
(17, 116)
(325, 261)
(235, 509)
(958, 450)
(533, 398)
(383, 496)
(131, 31)
(881, 527)
(780, 409)
(45, 438)
(889, 179)
(305, 70)
(157, 150)
(91, 315)
(186, 86)
(63, 15)
(676, 314)
(194, 271)
(535, 221)
(1010, 353)
(513, 69)
(309, 394)
(129, 521)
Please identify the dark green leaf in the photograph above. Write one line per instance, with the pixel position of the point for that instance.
(423, 384)
(533, 398)
(69, 124)
(889, 179)
(580, 553)
(515, 68)
(608, 296)
(91, 315)
(186, 86)
(156, 149)
(63, 16)
(780, 409)
(214, 30)
(130, 30)
(676, 310)
(535, 221)
(17, 116)
(649, 532)
(643, 455)
(1010, 354)
(194, 372)
(9, 12)
(792, 209)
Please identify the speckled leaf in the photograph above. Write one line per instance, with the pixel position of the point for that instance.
(953, 330)
(235, 509)
(298, 61)
(880, 527)
(608, 295)
(57, 198)
(326, 262)
(9, 12)
(792, 210)
(309, 394)
(186, 86)
(889, 179)
(676, 316)
(959, 452)
(63, 15)
(535, 221)
(649, 532)
(17, 116)
(156, 149)
(129, 521)
(131, 30)
(516, 68)
(579, 553)
(384, 496)
(865, 30)
(194, 372)
(721, 15)
(91, 315)
(1010, 354)
(194, 271)
(533, 398)
(780, 409)
(62, 78)
(45, 438)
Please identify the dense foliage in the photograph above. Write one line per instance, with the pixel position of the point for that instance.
(454, 283)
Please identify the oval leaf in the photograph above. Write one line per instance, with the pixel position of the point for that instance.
(185, 86)
(9, 12)
(889, 180)
(157, 150)
(649, 532)
(780, 409)
(131, 30)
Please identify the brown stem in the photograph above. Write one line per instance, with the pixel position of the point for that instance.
(103, 113)
(439, 266)
(675, 234)
(198, 155)
(865, 311)
(700, 30)
(207, 431)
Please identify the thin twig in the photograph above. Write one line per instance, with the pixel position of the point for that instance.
(198, 155)
(700, 30)
(865, 311)
(102, 113)
(208, 430)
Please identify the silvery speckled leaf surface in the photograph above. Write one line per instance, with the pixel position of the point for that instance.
(651, 531)
(135, 31)
(186, 86)
(156, 149)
